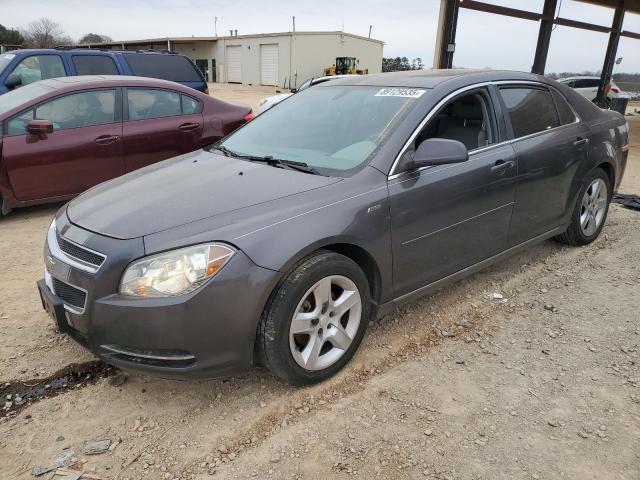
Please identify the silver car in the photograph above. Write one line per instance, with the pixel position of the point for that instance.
(266, 103)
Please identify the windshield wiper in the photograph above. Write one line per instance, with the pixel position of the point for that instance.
(226, 151)
(293, 165)
(269, 160)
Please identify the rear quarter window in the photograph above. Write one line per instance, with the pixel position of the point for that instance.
(175, 68)
(94, 65)
(190, 105)
(564, 110)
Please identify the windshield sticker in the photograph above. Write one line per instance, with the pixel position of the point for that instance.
(9, 56)
(400, 92)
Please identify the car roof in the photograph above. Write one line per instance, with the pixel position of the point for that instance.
(64, 85)
(93, 81)
(580, 77)
(96, 51)
(434, 77)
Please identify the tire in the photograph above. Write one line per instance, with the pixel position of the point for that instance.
(312, 354)
(576, 234)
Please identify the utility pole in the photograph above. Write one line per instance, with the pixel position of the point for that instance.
(370, 26)
(215, 26)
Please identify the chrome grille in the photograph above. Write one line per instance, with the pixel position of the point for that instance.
(78, 252)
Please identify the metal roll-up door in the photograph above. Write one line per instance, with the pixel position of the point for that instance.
(234, 64)
(269, 64)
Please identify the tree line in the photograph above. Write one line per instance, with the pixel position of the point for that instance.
(399, 64)
(44, 33)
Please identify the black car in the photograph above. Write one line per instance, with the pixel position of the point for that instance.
(280, 243)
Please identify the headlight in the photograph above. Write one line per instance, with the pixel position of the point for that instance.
(174, 272)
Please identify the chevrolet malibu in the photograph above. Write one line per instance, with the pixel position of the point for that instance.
(61, 136)
(280, 243)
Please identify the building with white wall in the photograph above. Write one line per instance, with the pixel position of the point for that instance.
(279, 59)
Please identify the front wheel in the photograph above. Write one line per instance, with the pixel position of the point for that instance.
(315, 320)
(590, 211)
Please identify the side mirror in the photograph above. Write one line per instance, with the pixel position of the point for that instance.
(39, 127)
(13, 80)
(293, 90)
(439, 151)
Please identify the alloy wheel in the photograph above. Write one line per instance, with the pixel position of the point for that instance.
(594, 207)
(325, 322)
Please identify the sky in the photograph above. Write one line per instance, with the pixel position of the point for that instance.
(408, 27)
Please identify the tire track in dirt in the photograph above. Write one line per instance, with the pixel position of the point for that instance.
(481, 322)
(20, 394)
(426, 336)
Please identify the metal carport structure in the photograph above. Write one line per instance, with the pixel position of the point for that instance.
(448, 22)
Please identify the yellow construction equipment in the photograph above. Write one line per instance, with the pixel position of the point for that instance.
(345, 66)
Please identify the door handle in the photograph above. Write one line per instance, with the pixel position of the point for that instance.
(106, 139)
(501, 166)
(580, 142)
(187, 127)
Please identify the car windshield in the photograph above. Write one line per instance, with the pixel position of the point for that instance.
(22, 95)
(305, 85)
(334, 129)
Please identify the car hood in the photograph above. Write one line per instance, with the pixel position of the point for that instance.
(182, 190)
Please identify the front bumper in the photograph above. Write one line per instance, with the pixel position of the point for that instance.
(206, 333)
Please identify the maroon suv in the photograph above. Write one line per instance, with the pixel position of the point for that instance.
(59, 137)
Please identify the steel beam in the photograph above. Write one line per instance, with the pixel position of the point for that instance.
(497, 9)
(566, 22)
(544, 36)
(634, 35)
(610, 55)
(446, 42)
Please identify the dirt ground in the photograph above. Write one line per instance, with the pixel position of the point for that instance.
(542, 384)
(249, 94)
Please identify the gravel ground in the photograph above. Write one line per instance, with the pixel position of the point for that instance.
(541, 384)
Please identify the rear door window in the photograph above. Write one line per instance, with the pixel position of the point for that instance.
(586, 83)
(94, 65)
(564, 110)
(145, 104)
(39, 67)
(175, 68)
(84, 109)
(531, 110)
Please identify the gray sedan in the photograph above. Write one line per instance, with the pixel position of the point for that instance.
(280, 243)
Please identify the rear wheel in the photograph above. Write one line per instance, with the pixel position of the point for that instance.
(591, 210)
(315, 320)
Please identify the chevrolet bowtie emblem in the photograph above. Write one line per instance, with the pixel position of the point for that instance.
(49, 263)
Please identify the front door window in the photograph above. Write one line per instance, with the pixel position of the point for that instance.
(79, 109)
(39, 67)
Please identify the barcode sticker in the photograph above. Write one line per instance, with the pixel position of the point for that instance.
(401, 92)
